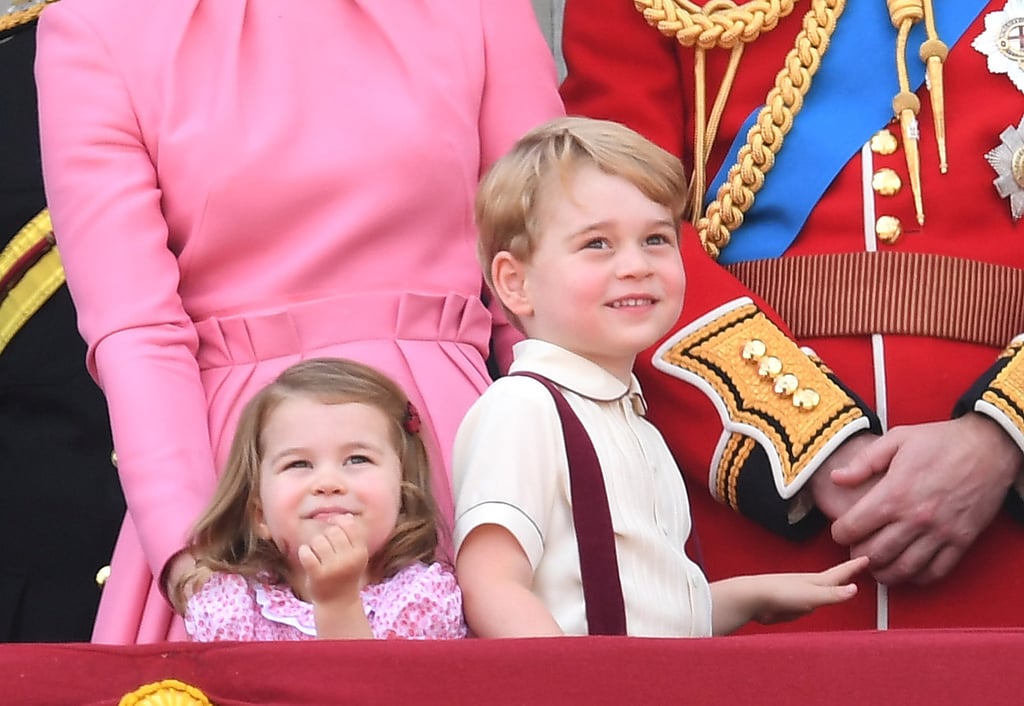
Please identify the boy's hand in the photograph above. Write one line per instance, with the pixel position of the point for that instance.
(335, 561)
(789, 596)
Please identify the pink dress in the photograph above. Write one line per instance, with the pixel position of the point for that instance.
(419, 602)
(237, 185)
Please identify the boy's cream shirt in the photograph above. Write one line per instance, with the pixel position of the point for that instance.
(510, 469)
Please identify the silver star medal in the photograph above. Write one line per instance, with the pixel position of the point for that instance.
(1008, 162)
(1002, 42)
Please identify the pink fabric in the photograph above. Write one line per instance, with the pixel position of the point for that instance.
(232, 161)
(419, 602)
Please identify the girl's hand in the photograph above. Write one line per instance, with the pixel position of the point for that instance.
(335, 561)
(788, 596)
(335, 565)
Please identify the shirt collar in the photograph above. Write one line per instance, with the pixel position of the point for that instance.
(572, 371)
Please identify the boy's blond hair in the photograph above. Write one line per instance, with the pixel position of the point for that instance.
(509, 197)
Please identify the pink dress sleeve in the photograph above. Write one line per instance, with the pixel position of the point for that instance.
(105, 202)
(419, 602)
(521, 89)
(223, 609)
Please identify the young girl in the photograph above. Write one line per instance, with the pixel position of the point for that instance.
(322, 525)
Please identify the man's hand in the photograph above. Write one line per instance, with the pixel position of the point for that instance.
(835, 500)
(943, 483)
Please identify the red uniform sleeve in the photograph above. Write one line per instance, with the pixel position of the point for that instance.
(730, 431)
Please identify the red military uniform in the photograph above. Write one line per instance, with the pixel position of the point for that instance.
(944, 298)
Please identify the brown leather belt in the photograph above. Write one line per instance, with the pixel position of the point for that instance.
(913, 294)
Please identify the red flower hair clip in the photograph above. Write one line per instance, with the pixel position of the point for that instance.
(411, 423)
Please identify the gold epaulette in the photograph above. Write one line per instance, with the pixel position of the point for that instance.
(30, 272)
(1003, 399)
(18, 17)
(767, 390)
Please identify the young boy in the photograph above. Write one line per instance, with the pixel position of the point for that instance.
(579, 240)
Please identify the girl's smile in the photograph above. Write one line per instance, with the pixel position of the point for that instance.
(327, 464)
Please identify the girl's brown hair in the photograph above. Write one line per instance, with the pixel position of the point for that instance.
(225, 537)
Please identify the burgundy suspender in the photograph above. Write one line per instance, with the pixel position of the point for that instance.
(599, 568)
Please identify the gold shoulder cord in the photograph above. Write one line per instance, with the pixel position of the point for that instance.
(30, 273)
(17, 18)
(720, 24)
(904, 14)
(724, 24)
(30, 266)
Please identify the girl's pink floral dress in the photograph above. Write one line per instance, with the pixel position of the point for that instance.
(419, 602)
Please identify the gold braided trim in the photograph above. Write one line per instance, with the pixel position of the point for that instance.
(764, 140)
(717, 24)
(37, 285)
(169, 692)
(710, 354)
(737, 451)
(1012, 349)
(22, 17)
(1006, 391)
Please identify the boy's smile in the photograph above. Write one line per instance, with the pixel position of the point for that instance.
(606, 278)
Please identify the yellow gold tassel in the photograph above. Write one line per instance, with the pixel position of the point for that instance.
(933, 53)
(904, 13)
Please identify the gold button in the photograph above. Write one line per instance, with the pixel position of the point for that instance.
(786, 384)
(113, 458)
(754, 349)
(888, 229)
(886, 182)
(769, 367)
(102, 575)
(806, 398)
(883, 142)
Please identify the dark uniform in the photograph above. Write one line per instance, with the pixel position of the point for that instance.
(60, 499)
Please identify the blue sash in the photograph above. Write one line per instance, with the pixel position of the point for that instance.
(849, 100)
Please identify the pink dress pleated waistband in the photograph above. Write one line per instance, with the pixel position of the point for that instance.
(312, 325)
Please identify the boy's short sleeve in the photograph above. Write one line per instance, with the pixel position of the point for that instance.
(509, 464)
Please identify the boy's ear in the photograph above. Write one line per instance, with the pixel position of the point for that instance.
(509, 277)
